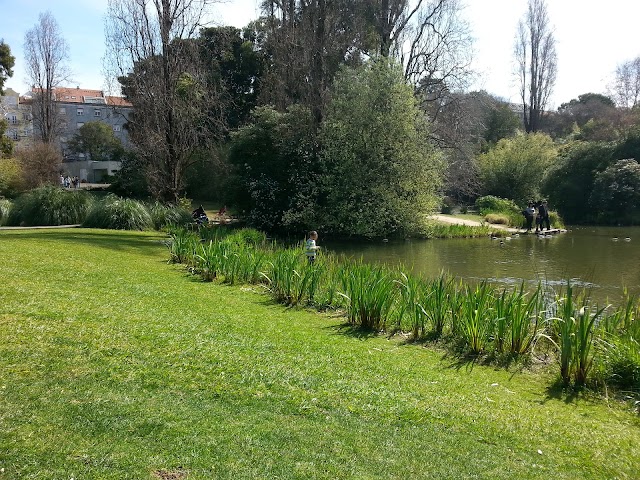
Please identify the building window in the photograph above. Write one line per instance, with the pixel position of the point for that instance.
(80, 111)
(63, 111)
(79, 124)
(14, 134)
(97, 113)
(116, 128)
(13, 119)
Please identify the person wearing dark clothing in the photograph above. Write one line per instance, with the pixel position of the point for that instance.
(543, 216)
(529, 213)
(200, 216)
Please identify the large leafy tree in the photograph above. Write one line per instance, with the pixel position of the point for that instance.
(616, 194)
(380, 172)
(96, 141)
(515, 167)
(234, 66)
(275, 172)
(570, 181)
(7, 61)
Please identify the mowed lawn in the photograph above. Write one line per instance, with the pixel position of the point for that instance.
(116, 365)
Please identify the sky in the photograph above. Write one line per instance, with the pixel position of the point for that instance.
(592, 38)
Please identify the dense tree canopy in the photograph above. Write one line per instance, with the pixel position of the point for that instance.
(97, 142)
(276, 170)
(380, 173)
(616, 194)
(515, 168)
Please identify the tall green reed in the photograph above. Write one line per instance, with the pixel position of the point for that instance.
(476, 321)
(573, 335)
(182, 245)
(413, 296)
(370, 292)
(518, 314)
(440, 302)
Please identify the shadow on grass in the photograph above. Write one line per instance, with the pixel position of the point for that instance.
(558, 391)
(353, 331)
(117, 240)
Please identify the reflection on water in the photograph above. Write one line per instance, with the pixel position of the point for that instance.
(603, 259)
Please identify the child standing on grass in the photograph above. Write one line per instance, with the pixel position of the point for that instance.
(310, 247)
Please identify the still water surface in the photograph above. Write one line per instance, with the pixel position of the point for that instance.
(599, 258)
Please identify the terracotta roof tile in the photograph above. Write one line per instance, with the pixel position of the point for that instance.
(79, 95)
(118, 101)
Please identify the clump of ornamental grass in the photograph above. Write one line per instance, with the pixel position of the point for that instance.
(50, 205)
(5, 206)
(518, 314)
(163, 215)
(283, 276)
(115, 213)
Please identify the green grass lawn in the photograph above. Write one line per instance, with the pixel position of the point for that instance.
(115, 365)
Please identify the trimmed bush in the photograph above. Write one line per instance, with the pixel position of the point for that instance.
(50, 206)
(117, 213)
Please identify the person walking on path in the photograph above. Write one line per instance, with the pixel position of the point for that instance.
(310, 247)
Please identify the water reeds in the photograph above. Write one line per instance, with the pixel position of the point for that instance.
(440, 302)
(573, 332)
(375, 297)
(369, 292)
(476, 322)
(183, 245)
(413, 296)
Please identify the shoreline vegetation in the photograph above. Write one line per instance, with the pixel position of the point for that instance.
(116, 365)
(593, 345)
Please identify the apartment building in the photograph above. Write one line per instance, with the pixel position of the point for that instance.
(74, 108)
(16, 110)
(77, 106)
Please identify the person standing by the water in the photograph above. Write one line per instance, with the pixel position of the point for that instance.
(529, 213)
(310, 247)
(543, 216)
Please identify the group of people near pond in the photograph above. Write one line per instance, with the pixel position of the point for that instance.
(539, 212)
(69, 182)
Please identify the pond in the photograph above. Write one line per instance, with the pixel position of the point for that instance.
(602, 259)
